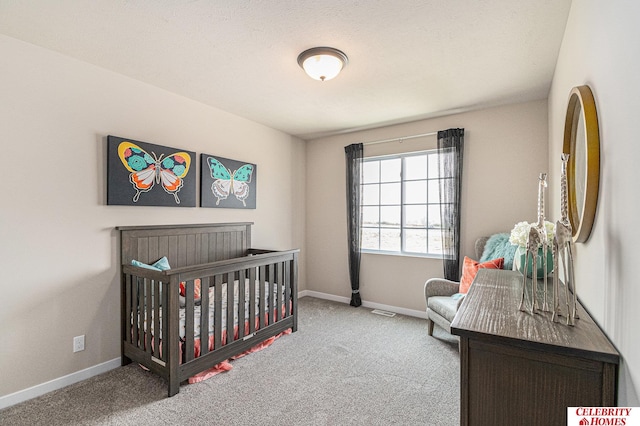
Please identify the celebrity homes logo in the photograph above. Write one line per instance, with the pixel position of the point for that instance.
(603, 416)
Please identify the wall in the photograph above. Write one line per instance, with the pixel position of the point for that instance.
(59, 248)
(599, 49)
(505, 150)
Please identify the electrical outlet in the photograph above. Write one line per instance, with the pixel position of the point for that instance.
(78, 343)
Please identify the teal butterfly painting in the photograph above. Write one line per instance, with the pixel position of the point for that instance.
(229, 183)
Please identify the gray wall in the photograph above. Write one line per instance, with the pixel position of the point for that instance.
(59, 248)
(599, 49)
(505, 150)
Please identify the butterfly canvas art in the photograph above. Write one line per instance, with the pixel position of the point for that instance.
(141, 173)
(227, 183)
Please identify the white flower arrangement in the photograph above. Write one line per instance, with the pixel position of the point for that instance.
(520, 232)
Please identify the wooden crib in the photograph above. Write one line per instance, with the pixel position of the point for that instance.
(161, 330)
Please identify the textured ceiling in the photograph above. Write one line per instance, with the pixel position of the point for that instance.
(408, 59)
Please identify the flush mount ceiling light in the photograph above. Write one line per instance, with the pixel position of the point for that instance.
(322, 63)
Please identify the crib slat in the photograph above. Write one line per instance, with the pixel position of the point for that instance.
(165, 321)
(294, 291)
(217, 322)
(204, 316)
(135, 294)
(263, 297)
(136, 315)
(278, 296)
(157, 285)
(189, 314)
(252, 300)
(127, 319)
(270, 294)
(287, 288)
(241, 299)
(172, 344)
(147, 303)
(230, 308)
(140, 311)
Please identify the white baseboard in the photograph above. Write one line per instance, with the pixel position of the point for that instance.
(59, 383)
(372, 305)
(69, 379)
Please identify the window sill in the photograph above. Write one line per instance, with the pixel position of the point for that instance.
(395, 253)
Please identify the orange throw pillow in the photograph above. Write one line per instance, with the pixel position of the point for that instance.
(470, 269)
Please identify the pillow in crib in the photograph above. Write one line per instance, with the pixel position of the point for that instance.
(161, 264)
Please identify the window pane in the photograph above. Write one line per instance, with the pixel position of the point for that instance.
(390, 170)
(435, 220)
(415, 167)
(370, 171)
(416, 240)
(390, 216)
(371, 216)
(370, 239)
(415, 192)
(390, 239)
(370, 195)
(390, 193)
(434, 242)
(415, 216)
(433, 166)
(434, 191)
(401, 204)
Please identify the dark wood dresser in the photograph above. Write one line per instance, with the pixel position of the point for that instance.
(522, 369)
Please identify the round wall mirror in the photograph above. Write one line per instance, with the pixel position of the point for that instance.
(582, 143)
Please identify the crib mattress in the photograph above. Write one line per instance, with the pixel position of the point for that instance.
(198, 309)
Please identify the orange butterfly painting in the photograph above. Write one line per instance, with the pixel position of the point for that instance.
(147, 167)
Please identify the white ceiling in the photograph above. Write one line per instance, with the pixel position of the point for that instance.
(408, 59)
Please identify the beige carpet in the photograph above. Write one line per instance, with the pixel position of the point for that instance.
(344, 366)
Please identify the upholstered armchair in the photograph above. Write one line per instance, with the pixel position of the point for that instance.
(442, 304)
(443, 298)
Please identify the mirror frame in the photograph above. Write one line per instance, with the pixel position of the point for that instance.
(582, 105)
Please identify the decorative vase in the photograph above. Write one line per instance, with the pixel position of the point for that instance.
(519, 262)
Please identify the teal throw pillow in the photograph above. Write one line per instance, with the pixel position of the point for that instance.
(161, 264)
(498, 246)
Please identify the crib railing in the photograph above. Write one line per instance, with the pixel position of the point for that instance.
(151, 309)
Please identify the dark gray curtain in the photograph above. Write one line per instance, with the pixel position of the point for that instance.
(450, 148)
(353, 154)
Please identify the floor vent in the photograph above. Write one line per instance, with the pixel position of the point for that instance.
(383, 313)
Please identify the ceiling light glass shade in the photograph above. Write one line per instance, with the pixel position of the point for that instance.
(322, 63)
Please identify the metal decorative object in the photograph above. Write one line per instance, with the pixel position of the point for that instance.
(533, 242)
(536, 240)
(563, 247)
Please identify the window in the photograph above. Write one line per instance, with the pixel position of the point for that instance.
(401, 204)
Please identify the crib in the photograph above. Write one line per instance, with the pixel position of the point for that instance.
(245, 296)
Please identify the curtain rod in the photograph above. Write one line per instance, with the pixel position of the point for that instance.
(400, 139)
